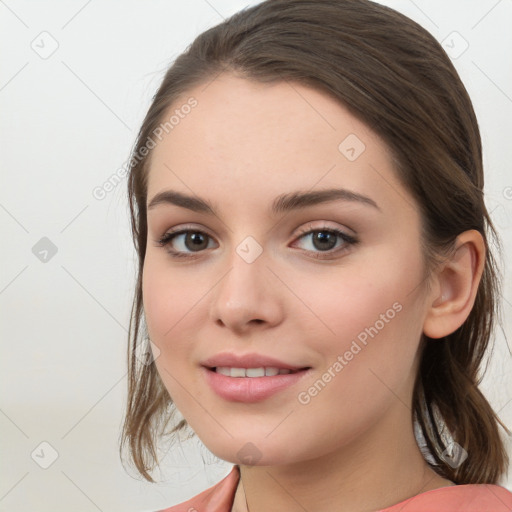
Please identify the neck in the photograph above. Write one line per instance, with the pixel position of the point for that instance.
(382, 468)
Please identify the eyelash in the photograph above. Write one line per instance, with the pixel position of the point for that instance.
(349, 240)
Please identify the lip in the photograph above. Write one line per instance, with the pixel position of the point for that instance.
(250, 389)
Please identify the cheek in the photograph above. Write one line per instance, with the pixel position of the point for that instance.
(167, 296)
(368, 336)
(372, 324)
(170, 301)
(371, 301)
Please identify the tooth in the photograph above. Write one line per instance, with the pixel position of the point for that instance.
(237, 372)
(255, 372)
(251, 372)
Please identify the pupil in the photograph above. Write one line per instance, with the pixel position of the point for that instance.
(322, 237)
(197, 239)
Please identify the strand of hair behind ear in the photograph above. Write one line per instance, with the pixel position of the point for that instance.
(447, 396)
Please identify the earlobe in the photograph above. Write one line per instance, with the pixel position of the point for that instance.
(457, 284)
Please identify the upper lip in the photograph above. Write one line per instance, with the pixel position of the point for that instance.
(230, 360)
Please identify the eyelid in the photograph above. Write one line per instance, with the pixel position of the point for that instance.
(304, 230)
(325, 227)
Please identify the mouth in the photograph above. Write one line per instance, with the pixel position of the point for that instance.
(262, 371)
(250, 377)
(252, 384)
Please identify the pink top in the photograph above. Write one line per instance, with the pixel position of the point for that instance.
(455, 498)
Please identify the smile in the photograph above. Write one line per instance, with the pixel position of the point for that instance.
(252, 372)
(250, 385)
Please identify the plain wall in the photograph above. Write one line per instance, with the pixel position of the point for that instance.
(68, 120)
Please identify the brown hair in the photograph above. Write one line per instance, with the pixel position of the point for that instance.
(394, 76)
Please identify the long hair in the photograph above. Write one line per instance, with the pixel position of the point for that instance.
(395, 77)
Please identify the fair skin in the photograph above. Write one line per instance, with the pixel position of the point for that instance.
(351, 447)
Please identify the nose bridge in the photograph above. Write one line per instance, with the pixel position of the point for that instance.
(246, 275)
(244, 293)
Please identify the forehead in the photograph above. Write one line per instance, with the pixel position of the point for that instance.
(244, 142)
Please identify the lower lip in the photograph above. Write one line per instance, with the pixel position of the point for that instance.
(250, 389)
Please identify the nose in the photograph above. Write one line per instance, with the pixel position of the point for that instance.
(247, 296)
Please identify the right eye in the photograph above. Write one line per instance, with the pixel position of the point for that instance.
(194, 240)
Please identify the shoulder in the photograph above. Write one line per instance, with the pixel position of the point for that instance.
(218, 498)
(459, 498)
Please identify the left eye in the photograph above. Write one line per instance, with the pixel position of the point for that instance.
(323, 240)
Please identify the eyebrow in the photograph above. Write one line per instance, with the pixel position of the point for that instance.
(283, 203)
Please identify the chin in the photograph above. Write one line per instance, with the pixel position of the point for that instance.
(243, 451)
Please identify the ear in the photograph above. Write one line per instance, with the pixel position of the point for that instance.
(455, 285)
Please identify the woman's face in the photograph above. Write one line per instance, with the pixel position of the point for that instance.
(266, 281)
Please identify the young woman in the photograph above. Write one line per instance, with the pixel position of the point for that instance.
(315, 274)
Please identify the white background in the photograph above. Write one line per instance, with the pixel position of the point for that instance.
(67, 124)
